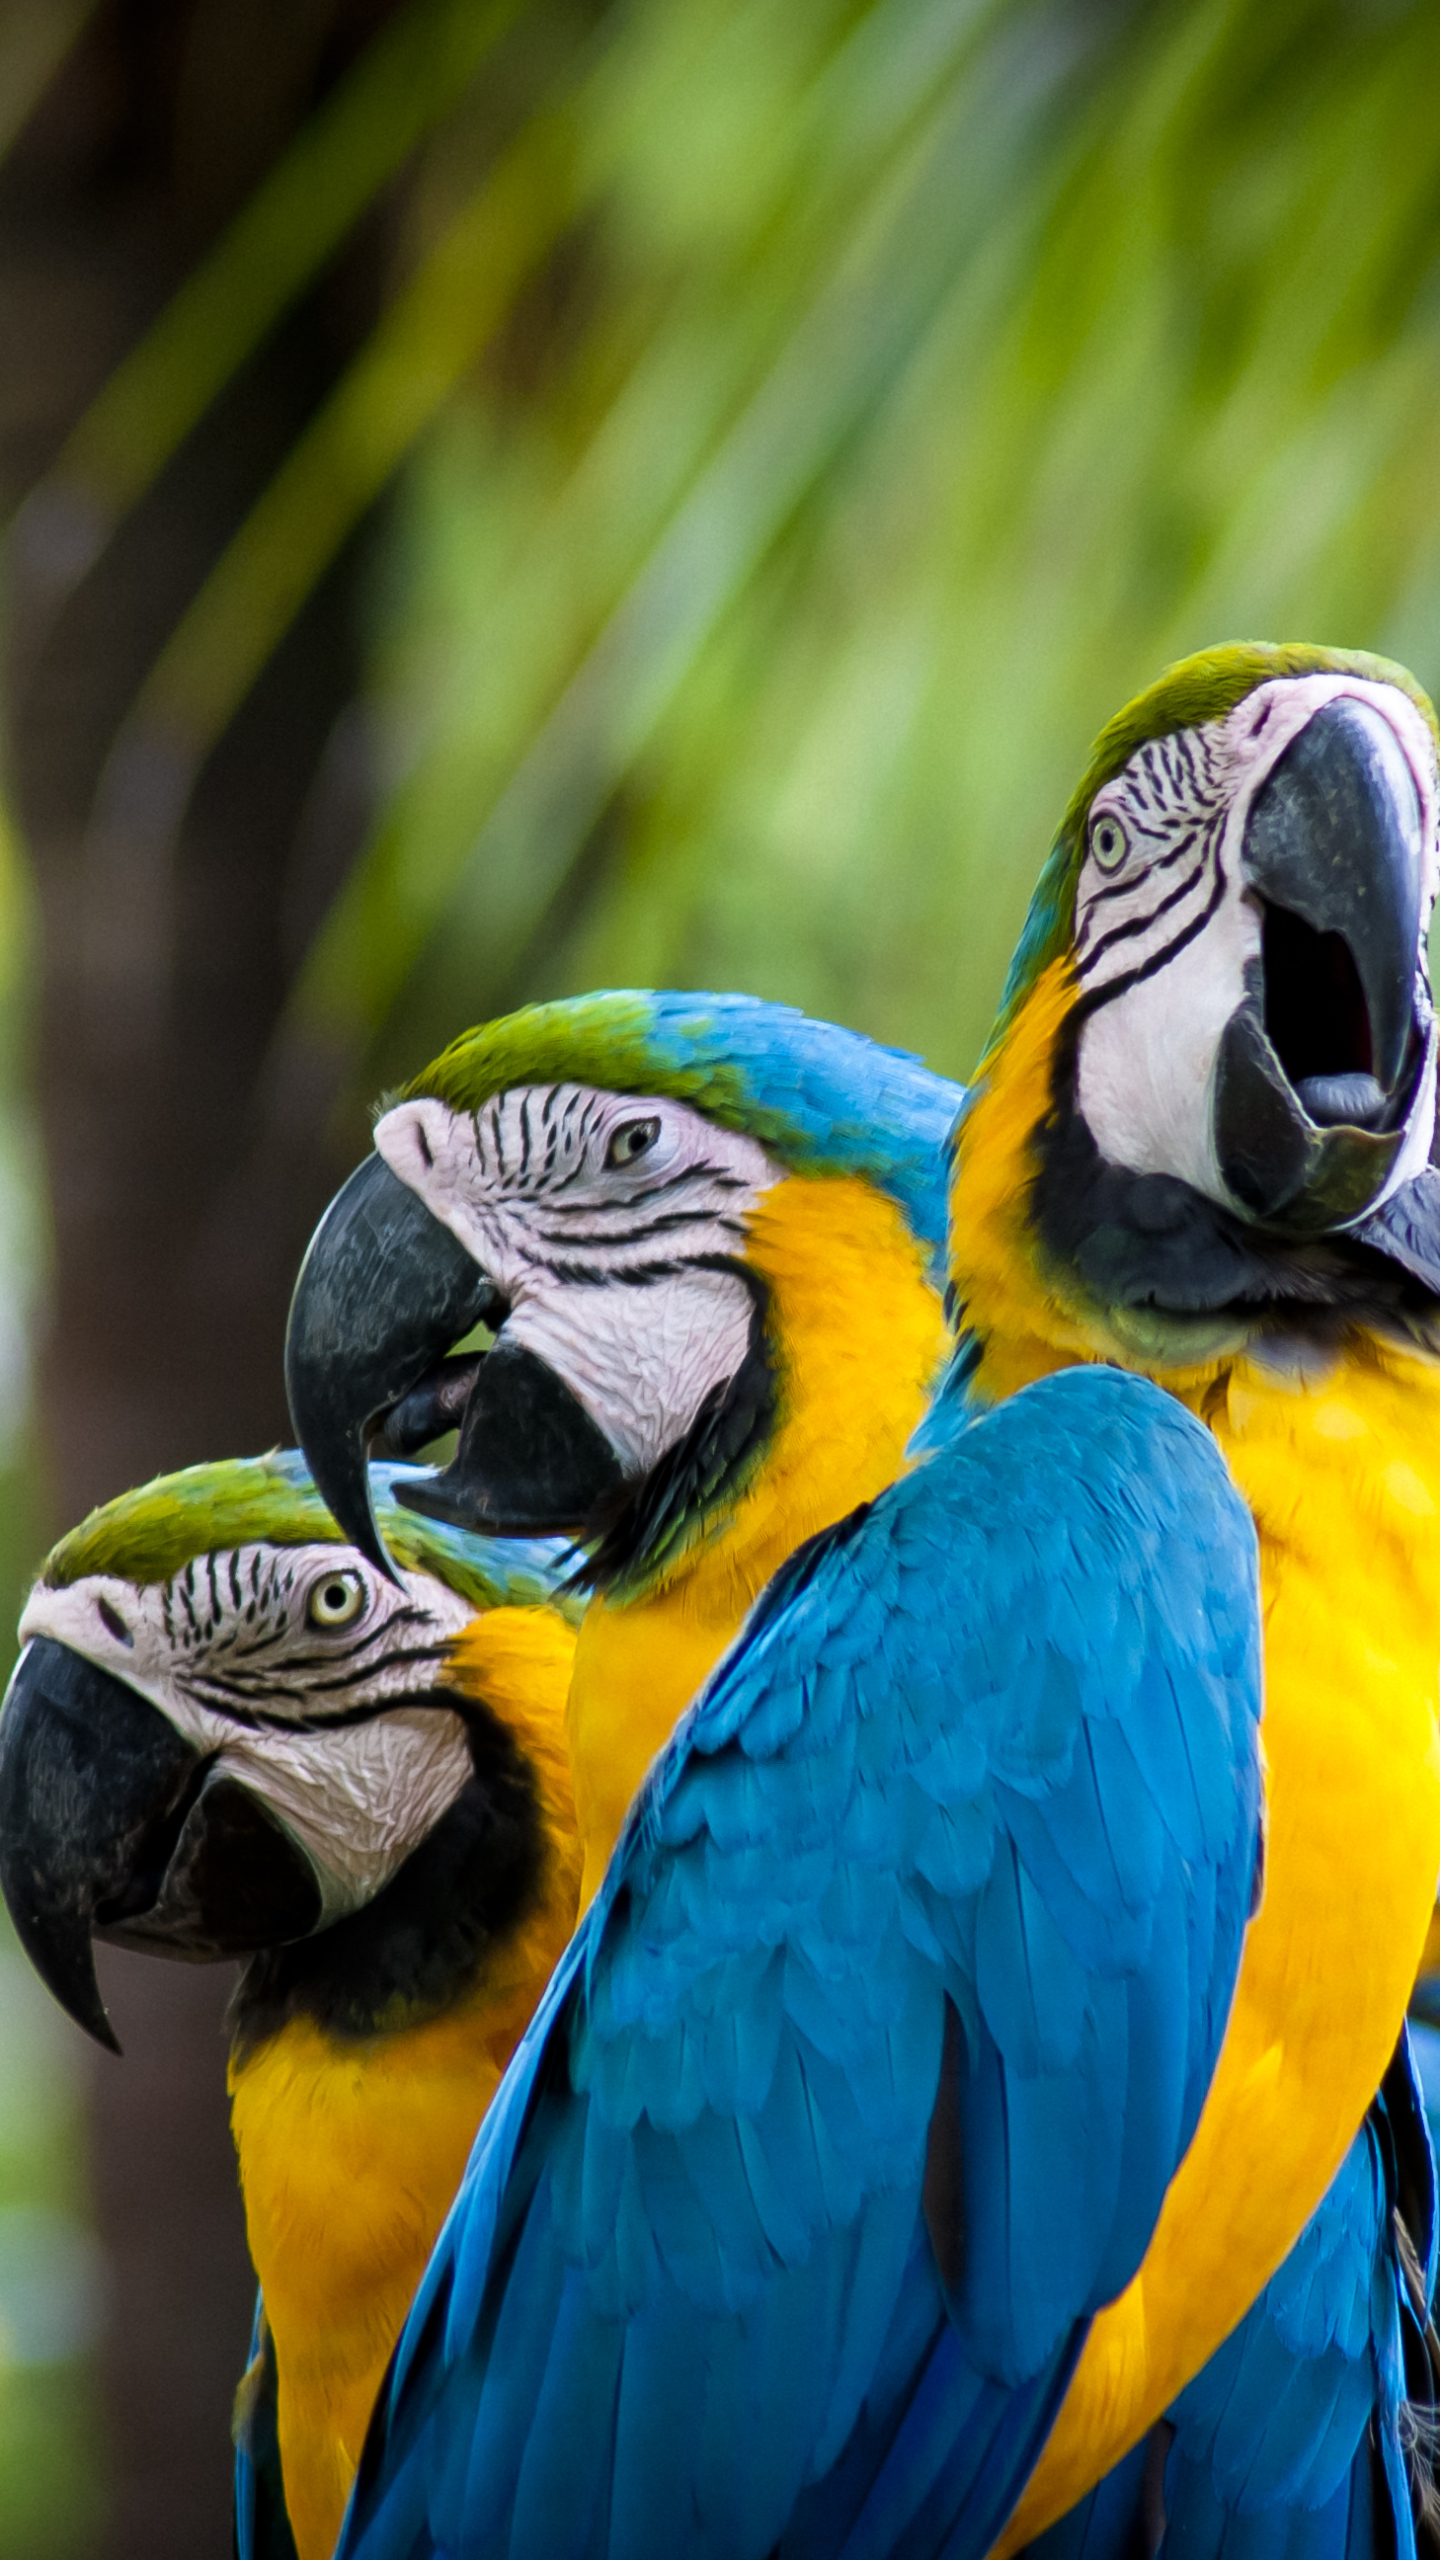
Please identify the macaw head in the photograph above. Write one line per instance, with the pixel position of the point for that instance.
(1213, 1078)
(580, 1180)
(228, 1733)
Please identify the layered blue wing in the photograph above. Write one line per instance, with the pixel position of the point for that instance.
(861, 2086)
(1307, 2435)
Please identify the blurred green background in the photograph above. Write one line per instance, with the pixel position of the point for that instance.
(507, 496)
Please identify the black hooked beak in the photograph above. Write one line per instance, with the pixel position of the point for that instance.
(383, 1290)
(1319, 1068)
(113, 1826)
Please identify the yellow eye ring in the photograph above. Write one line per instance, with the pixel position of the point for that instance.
(336, 1600)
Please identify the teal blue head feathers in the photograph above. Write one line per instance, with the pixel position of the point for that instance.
(580, 1179)
(818, 1098)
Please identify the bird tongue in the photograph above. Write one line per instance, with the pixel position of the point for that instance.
(434, 1405)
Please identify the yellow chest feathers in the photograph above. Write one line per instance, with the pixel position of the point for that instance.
(857, 1335)
(351, 2148)
(1343, 1478)
(349, 2157)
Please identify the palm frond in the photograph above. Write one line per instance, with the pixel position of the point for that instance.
(803, 428)
(1126, 339)
(412, 73)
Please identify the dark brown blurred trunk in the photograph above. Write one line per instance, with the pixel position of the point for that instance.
(165, 1319)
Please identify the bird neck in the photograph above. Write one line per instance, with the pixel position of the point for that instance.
(855, 1335)
(352, 2141)
(1023, 1312)
(1014, 1312)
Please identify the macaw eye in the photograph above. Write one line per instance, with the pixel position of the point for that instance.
(633, 1138)
(1108, 841)
(336, 1599)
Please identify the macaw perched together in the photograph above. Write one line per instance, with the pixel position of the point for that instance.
(857, 2129)
(229, 1735)
(710, 1233)
(875, 1211)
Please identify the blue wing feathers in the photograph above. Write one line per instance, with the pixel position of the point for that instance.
(1033, 1994)
(688, 2261)
(558, 2502)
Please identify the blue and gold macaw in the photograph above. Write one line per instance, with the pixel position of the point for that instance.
(1200, 1146)
(229, 1735)
(858, 2129)
(861, 2089)
(734, 1217)
(881, 1218)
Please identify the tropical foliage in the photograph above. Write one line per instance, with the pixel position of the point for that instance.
(786, 430)
(804, 421)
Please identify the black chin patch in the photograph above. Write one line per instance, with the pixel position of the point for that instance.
(405, 1956)
(1145, 1240)
(1139, 1239)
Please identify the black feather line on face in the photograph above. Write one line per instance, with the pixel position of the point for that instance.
(1093, 998)
(223, 1698)
(704, 1469)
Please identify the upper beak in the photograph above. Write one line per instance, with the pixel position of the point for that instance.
(383, 1290)
(383, 1293)
(112, 1825)
(1319, 1068)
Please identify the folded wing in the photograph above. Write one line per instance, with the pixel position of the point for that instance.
(862, 2085)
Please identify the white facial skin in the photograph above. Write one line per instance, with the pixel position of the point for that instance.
(254, 1652)
(595, 1213)
(1163, 852)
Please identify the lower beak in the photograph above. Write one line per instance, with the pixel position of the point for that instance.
(531, 1463)
(1320, 1068)
(113, 1826)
